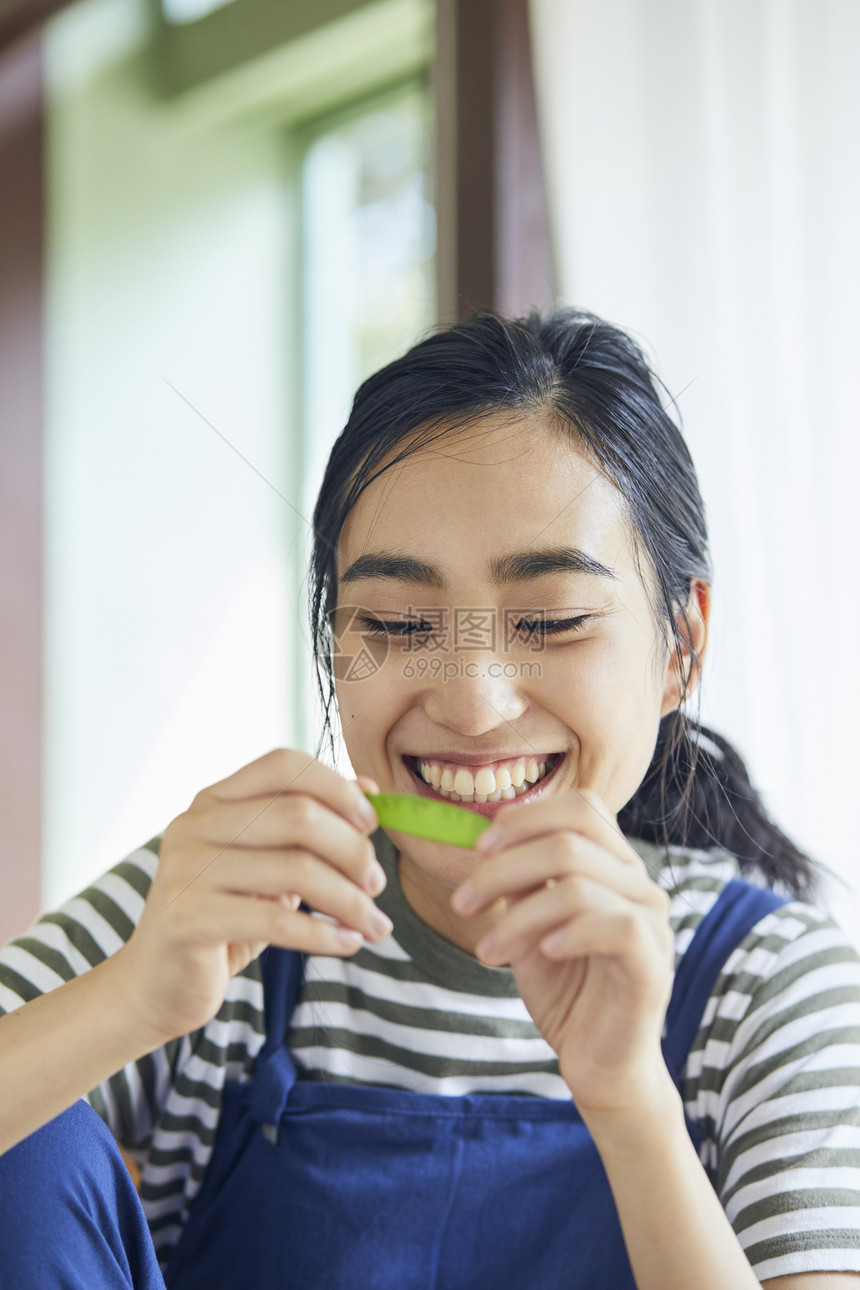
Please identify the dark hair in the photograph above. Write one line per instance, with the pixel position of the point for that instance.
(594, 382)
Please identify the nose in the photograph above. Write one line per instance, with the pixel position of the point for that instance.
(472, 696)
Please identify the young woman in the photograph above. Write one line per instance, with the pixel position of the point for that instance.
(350, 1057)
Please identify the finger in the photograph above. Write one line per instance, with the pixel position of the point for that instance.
(581, 811)
(530, 865)
(617, 934)
(285, 769)
(525, 923)
(224, 919)
(305, 877)
(292, 820)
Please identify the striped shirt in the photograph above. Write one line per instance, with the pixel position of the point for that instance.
(773, 1075)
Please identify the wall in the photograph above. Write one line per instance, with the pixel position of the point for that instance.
(171, 596)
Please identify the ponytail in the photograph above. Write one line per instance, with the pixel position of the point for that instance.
(697, 793)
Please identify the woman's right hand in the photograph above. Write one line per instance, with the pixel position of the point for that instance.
(233, 870)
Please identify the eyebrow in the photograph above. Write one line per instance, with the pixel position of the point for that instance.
(524, 566)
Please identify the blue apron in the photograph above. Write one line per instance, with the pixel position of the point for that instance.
(317, 1186)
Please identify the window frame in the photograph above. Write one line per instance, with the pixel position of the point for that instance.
(299, 141)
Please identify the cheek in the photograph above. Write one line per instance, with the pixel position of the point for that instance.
(357, 701)
(597, 686)
(610, 699)
(368, 708)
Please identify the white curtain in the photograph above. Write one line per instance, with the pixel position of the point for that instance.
(703, 164)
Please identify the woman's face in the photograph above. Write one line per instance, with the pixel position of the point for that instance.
(467, 556)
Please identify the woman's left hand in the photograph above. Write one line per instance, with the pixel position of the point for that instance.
(586, 931)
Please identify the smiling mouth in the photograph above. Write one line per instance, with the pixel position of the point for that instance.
(500, 782)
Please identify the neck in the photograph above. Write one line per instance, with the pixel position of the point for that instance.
(431, 901)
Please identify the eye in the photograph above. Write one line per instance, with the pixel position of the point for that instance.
(400, 627)
(530, 628)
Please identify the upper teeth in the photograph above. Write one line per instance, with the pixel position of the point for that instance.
(486, 783)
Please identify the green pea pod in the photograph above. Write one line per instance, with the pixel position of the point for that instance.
(424, 818)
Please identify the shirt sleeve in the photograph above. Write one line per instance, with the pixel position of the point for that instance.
(774, 1076)
(67, 942)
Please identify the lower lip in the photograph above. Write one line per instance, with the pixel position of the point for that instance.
(487, 809)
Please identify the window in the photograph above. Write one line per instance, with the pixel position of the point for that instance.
(369, 238)
(368, 243)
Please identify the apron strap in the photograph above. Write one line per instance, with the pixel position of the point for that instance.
(735, 913)
(274, 1073)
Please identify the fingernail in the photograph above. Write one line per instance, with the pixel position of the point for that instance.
(488, 839)
(347, 939)
(464, 899)
(487, 948)
(381, 923)
(376, 879)
(366, 784)
(366, 814)
(555, 942)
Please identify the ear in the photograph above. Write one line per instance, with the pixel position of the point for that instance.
(682, 676)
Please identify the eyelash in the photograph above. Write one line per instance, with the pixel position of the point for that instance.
(554, 626)
(407, 629)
